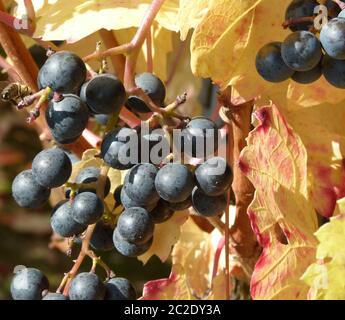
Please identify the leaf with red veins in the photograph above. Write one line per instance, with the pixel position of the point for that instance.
(324, 145)
(281, 213)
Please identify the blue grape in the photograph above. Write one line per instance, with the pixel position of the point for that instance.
(117, 195)
(114, 150)
(91, 175)
(135, 225)
(162, 212)
(27, 192)
(63, 72)
(104, 94)
(67, 118)
(55, 296)
(178, 206)
(139, 184)
(156, 146)
(87, 208)
(174, 182)
(299, 9)
(199, 133)
(102, 237)
(301, 51)
(130, 249)
(334, 71)
(307, 77)
(270, 65)
(62, 222)
(332, 38)
(74, 158)
(87, 286)
(29, 284)
(208, 206)
(152, 86)
(127, 202)
(214, 176)
(119, 289)
(51, 168)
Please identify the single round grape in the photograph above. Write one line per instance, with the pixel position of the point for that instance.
(135, 225)
(334, 71)
(299, 9)
(87, 208)
(51, 168)
(139, 184)
(127, 202)
(63, 72)
(55, 296)
(91, 175)
(174, 182)
(117, 194)
(270, 64)
(102, 237)
(214, 176)
(62, 222)
(332, 38)
(114, 150)
(153, 87)
(129, 249)
(119, 289)
(27, 192)
(208, 206)
(29, 284)
(67, 118)
(104, 94)
(87, 286)
(301, 51)
(161, 212)
(306, 77)
(178, 206)
(156, 147)
(199, 136)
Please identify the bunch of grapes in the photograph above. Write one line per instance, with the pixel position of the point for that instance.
(152, 192)
(302, 56)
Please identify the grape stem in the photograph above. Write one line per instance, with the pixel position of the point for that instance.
(12, 73)
(66, 281)
(118, 61)
(296, 21)
(25, 26)
(149, 57)
(340, 4)
(238, 119)
(175, 63)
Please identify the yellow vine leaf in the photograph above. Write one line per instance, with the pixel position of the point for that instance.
(323, 135)
(225, 42)
(281, 214)
(326, 277)
(72, 20)
(198, 270)
(165, 235)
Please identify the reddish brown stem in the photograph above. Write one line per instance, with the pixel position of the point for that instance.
(241, 232)
(12, 73)
(149, 51)
(296, 21)
(118, 61)
(340, 4)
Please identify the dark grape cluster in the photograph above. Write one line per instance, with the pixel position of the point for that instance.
(153, 189)
(32, 284)
(302, 56)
